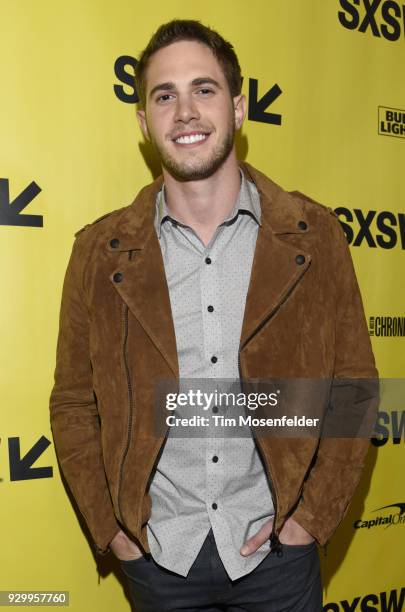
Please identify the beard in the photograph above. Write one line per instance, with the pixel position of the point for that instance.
(197, 168)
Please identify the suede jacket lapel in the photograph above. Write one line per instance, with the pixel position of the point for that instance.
(277, 266)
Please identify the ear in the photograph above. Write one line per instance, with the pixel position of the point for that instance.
(141, 116)
(239, 105)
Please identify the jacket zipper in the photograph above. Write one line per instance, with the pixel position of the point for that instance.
(130, 411)
(131, 418)
(275, 544)
(149, 471)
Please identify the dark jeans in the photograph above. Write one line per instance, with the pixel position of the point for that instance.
(290, 583)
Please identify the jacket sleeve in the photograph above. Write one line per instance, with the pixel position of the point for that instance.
(73, 409)
(339, 462)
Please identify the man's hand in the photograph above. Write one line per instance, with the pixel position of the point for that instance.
(291, 533)
(124, 548)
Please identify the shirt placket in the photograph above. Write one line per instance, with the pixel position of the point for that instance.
(210, 287)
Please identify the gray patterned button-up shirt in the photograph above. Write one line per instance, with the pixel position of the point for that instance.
(204, 482)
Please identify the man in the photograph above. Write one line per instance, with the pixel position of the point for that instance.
(213, 273)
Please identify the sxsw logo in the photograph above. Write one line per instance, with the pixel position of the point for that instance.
(395, 515)
(389, 425)
(385, 601)
(391, 122)
(382, 18)
(383, 229)
(258, 104)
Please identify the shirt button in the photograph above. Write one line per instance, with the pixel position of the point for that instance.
(215, 459)
(215, 409)
(114, 243)
(118, 276)
(207, 260)
(214, 359)
(210, 309)
(214, 506)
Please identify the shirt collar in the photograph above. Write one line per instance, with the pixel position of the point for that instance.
(248, 200)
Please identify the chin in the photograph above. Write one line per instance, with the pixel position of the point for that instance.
(198, 168)
(193, 173)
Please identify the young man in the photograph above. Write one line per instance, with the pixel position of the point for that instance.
(213, 273)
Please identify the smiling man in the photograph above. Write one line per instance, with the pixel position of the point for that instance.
(213, 273)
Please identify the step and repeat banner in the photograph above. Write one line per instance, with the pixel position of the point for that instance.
(326, 115)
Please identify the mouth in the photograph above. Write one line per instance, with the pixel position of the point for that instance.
(191, 139)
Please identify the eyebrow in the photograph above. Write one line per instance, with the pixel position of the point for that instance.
(170, 86)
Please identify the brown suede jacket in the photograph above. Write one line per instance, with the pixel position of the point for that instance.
(303, 318)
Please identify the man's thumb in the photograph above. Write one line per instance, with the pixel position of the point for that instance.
(248, 548)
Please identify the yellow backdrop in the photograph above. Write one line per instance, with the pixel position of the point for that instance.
(326, 88)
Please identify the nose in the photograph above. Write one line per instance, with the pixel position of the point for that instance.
(186, 109)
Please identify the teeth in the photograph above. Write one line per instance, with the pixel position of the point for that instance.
(191, 139)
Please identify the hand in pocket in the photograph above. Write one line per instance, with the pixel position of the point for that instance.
(124, 548)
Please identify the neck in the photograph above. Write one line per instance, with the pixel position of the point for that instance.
(204, 204)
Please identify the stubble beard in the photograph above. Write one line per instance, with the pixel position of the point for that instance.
(197, 168)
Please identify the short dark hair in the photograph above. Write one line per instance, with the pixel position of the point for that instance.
(187, 29)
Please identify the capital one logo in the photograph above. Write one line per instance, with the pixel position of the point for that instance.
(381, 18)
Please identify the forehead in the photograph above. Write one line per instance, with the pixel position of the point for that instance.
(181, 62)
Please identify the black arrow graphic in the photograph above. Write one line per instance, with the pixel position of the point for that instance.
(10, 211)
(20, 468)
(257, 108)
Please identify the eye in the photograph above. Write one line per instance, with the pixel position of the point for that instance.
(205, 91)
(164, 98)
